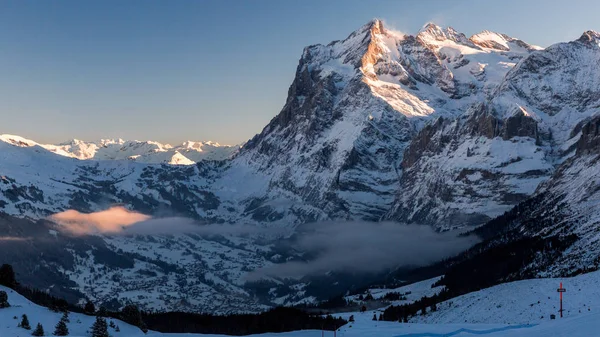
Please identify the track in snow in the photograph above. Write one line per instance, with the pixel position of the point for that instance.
(468, 331)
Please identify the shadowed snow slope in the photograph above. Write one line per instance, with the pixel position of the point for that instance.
(586, 324)
(521, 302)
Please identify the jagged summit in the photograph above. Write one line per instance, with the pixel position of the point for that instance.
(377, 26)
(431, 33)
(498, 41)
(590, 37)
(430, 29)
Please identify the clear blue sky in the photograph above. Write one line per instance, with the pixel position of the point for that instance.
(206, 70)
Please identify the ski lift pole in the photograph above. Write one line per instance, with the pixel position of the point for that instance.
(561, 290)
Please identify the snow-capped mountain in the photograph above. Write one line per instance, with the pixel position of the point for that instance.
(149, 152)
(438, 129)
(337, 146)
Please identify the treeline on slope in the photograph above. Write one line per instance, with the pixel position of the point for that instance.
(493, 265)
(275, 320)
(7, 279)
(508, 253)
(503, 256)
(279, 319)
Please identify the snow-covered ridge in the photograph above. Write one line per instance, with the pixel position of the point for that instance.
(150, 152)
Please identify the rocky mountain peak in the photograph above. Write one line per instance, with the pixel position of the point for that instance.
(376, 26)
(498, 41)
(432, 33)
(430, 29)
(591, 38)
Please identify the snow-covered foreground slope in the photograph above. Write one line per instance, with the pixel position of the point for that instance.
(78, 326)
(521, 302)
(586, 324)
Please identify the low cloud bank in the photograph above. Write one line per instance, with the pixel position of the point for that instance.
(13, 238)
(120, 221)
(361, 247)
(365, 247)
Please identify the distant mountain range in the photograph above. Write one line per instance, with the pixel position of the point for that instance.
(187, 153)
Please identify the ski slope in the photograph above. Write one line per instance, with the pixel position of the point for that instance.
(521, 302)
(503, 310)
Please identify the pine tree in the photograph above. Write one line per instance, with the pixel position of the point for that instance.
(65, 317)
(132, 315)
(25, 323)
(89, 308)
(374, 317)
(100, 329)
(102, 312)
(61, 328)
(4, 300)
(39, 330)
(7, 276)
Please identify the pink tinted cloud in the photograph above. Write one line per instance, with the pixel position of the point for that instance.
(112, 220)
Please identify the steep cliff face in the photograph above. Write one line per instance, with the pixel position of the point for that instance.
(333, 149)
(336, 148)
(465, 171)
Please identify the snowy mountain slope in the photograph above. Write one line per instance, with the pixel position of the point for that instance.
(193, 272)
(468, 170)
(521, 302)
(37, 183)
(568, 205)
(558, 87)
(78, 326)
(582, 325)
(176, 273)
(497, 153)
(585, 324)
(412, 292)
(149, 152)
